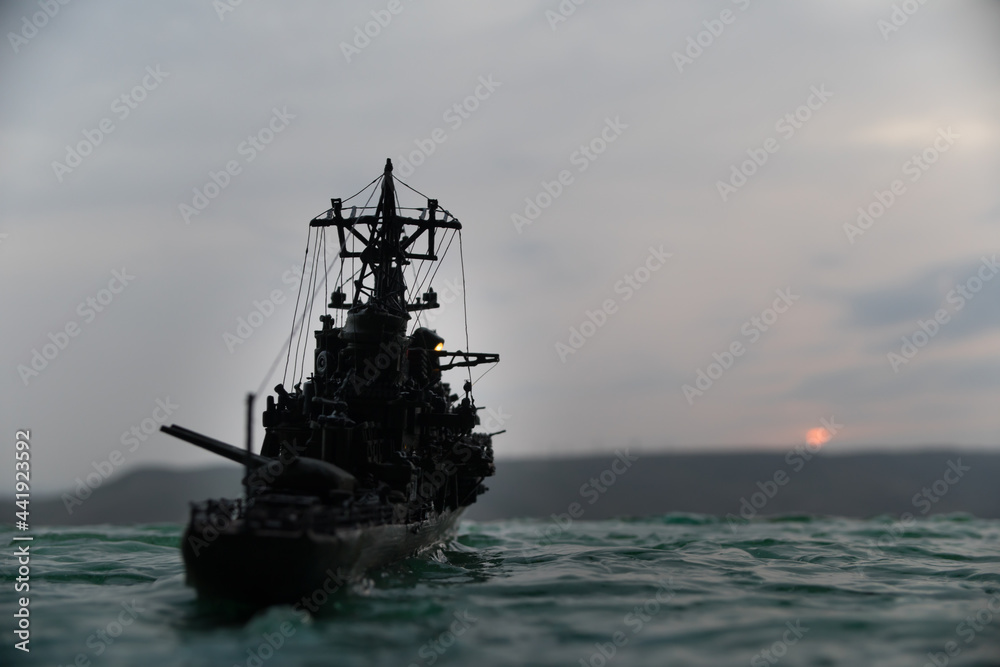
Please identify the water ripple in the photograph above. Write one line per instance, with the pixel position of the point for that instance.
(679, 589)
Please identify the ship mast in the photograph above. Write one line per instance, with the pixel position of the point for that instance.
(386, 250)
(390, 286)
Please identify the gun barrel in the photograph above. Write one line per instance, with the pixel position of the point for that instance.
(302, 473)
(214, 446)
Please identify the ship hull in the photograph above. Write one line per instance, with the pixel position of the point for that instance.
(371, 456)
(274, 567)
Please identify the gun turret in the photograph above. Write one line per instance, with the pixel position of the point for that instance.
(301, 473)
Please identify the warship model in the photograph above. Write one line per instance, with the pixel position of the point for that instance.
(370, 458)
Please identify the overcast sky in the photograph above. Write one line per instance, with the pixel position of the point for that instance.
(713, 158)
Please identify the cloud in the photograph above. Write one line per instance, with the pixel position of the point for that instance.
(971, 303)
(656, 184)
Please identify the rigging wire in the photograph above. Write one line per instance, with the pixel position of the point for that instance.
(465, 307)
(299, 324)
(326, 272)
(434, 275)
(492, 366)
(428, 276)
(374, 180)
(344, 201)
(297, 296)
(296, 321)
(418, 282)
(314, 289)
(412, 188)
(371, 232)
(306, 310)
(340, 286)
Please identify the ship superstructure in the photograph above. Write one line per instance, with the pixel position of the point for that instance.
(369, 458)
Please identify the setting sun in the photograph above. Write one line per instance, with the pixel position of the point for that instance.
(817, 436)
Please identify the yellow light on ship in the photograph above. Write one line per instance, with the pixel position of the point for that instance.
(439, 346)
(817, 437)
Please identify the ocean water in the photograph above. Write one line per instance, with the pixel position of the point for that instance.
(671, 590)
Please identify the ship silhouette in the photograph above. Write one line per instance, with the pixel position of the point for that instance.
(371, 457)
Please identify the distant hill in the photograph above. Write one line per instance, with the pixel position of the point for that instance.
(718, 484)
(151, 495)
(860, 485)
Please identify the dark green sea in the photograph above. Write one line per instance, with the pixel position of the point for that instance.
(673, 590)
